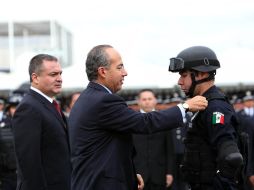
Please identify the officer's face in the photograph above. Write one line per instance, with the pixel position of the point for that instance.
(185, 81)
(249, 103)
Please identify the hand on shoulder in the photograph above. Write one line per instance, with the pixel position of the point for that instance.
(197, 103)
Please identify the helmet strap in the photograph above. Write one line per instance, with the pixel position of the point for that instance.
(196, 82)
(193, 86)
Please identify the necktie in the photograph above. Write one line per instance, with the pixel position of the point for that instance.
(56, 105)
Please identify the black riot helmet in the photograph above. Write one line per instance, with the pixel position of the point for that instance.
(196, 59)
(14, 99)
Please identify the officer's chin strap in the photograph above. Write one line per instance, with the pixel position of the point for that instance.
(195, 82)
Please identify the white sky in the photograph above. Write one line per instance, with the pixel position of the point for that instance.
(147, 33)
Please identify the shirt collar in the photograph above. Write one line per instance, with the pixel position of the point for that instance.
(41, 93)
(105, 88)
(142, 111)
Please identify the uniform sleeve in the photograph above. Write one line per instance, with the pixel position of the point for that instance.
(27, 130)
(220, 122)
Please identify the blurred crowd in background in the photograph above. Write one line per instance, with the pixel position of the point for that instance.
(165, 99)
(243, 103)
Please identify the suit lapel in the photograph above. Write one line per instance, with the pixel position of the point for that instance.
(62, 118)
(50, 107)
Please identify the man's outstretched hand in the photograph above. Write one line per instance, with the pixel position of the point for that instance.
(197, 103)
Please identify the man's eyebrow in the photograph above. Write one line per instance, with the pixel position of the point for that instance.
(120, 65)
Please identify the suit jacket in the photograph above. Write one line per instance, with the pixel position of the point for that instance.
(101, 127)
(154, 157)
(41, 145)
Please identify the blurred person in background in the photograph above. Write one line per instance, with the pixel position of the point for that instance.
(246, 120)
(248, 124)
(154, 152)
(2, 106)
(237, 103)
(40, 130)
(8, 167)
(70, 102)
(248, 106)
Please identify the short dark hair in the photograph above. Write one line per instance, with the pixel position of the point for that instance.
(35, 64)
(146, 90)
(96, 58)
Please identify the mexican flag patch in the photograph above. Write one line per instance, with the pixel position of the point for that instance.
(218, 118)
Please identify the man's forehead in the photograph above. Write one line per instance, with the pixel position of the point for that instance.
(48, 65)
(146, 94)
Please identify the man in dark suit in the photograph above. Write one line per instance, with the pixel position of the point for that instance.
(40, 131)
(101, 126)
(154, 152)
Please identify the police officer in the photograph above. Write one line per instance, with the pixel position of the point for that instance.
(8, 176)
(246, 120)
(237, 103)
(212, 158)
(248, 106)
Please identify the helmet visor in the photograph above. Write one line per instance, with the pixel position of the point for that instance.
(176, 64)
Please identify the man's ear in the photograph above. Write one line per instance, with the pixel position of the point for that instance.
(202, 75)
(35, 78)
(102, 72)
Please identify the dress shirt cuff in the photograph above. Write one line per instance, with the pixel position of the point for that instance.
(183, 112)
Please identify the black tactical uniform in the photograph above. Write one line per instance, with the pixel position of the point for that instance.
(246, 120)
(8, 176)
(212, 158)
(210, 139)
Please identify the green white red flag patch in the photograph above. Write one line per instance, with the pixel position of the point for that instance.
(218, 118)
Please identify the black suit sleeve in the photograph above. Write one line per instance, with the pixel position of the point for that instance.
(170, 152)
(114, 112)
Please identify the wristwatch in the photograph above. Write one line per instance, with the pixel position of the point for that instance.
(186, 107)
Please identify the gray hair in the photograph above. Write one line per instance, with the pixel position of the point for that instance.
(35, 65)
(96, 58)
